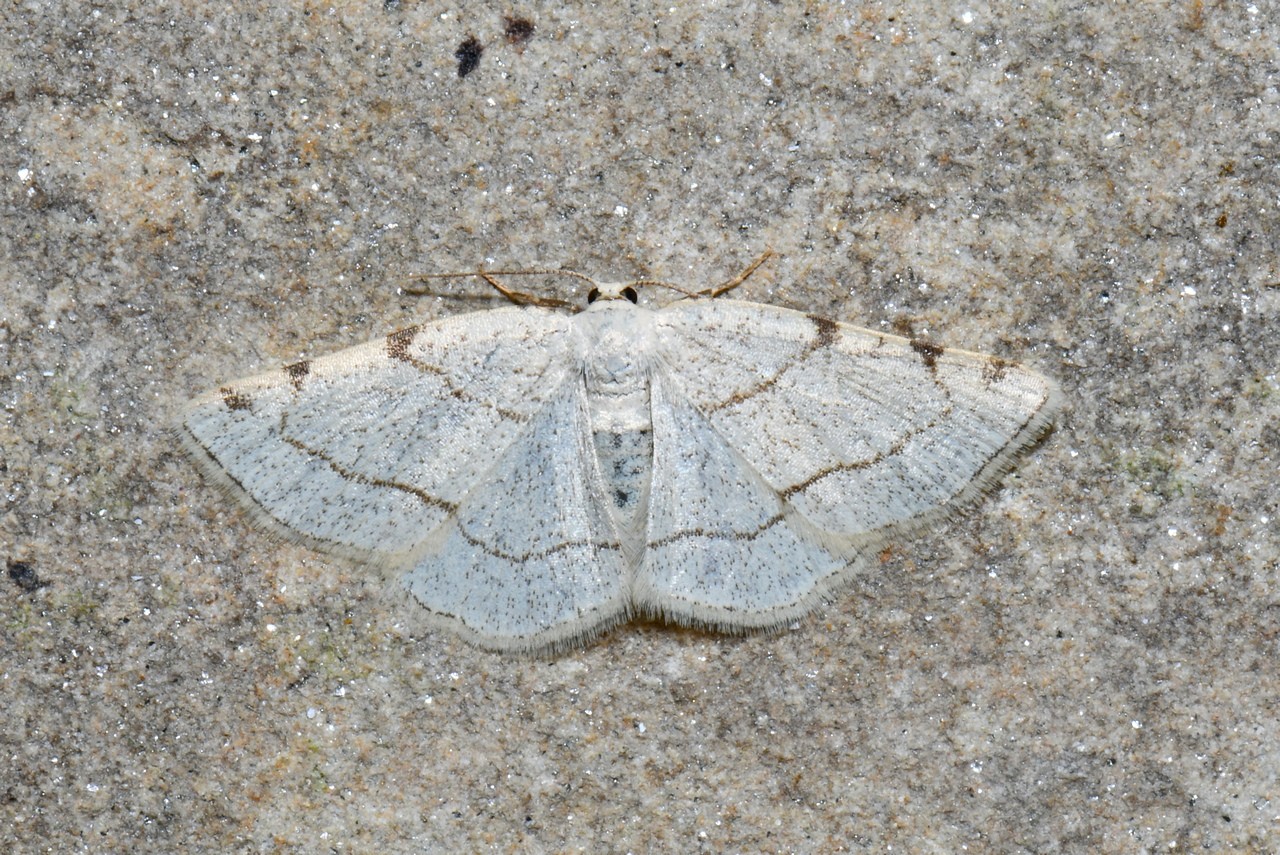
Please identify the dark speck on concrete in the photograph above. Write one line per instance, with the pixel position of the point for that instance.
(468, 55)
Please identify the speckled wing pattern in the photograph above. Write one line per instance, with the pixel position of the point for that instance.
(425, 454)
(812, 443)
(777, 451)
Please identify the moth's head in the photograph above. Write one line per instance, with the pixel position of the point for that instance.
(604, 291)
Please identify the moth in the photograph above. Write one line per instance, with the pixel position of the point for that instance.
(533, 477)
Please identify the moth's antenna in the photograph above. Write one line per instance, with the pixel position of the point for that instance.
(658, 283)
(740, 278)
(520, 298)
(710, 292)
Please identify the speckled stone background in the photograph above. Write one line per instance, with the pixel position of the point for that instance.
(1086, 662)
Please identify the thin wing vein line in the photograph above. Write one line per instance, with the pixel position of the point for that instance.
(360, 478)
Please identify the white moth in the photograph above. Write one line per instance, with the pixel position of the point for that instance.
(534, 477)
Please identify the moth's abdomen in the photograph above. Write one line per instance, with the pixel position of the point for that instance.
(626, 461)
(622, 435)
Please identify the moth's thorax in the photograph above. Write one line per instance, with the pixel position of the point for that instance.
(615, 340)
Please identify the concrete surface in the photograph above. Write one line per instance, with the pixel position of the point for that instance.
(1086, 662)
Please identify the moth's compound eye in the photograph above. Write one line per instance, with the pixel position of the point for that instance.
(630, 294)
(593, 295)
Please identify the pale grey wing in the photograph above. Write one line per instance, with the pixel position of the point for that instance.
(722, 547)
(531, 559)
(367, 451)
(859, 432)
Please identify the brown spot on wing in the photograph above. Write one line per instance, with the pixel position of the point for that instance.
(828, 331)
(235, 400)
(928, 352)
(398, 343)
(995, 369)
(297, 373)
